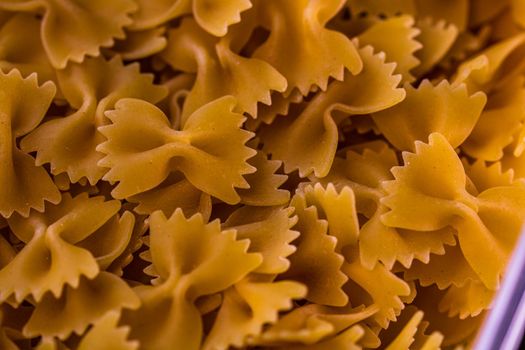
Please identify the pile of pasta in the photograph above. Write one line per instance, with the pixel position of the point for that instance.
(257, 174)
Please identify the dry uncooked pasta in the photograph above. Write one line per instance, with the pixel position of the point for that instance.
(257, 174)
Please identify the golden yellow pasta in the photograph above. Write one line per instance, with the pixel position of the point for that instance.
(257, 174)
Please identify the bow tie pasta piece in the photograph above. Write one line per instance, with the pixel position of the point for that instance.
(269, 231)
(437, 38)
(327, 54)
(174, 192)
(57, 244)
(308, 142)
(142, 154)
(429, 193)
(444, 108)
(493, 65)
(192, 259)
(79, 307)
(247, 307)
(212, 16)
(107, 335)
(499, 122)
(93, 87)
(219, 70)
(21, 48)
(399, 45)
(378, 286)
(23, 185)
(316, 264)
(70, 30)
(466, 301)
(311, 323)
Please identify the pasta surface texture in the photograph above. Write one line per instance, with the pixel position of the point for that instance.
(257, 174)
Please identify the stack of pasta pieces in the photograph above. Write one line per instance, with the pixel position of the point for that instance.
(266, 174)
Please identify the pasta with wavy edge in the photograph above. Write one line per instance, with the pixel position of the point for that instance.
(269, 230)
(281, 106)
(219, 70)
(192, 259)
(517, 164)
(140, 44)
(338, 209)
(382, 7)
(79, 307)
(443, 270)
(174, 192)
(378, 286)
(93, 87)
(400, 50)
(450, 204)
(247, 307)
(363, 173)
(24, 185)
(58, 246)
(212, 16)
(498, 123)
(466, 301)
(311, 323)
(107, 335)
(328, 54)
(20, 48)
(492, 66)
(308, 142)
(316, 263)
(408, 332)
(485, 176)
(346, 340)
(84, 26)
(199, 144)
(264, 183)
(444, 108)
(453, 11)
(437, 38)
(456, 331)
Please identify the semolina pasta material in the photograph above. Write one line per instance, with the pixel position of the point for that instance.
(257, 174)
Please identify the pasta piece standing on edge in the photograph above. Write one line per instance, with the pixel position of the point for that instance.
(23, 185)
(191, 259)
(316, 263)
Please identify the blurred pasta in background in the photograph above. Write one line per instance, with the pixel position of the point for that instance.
(257, 174)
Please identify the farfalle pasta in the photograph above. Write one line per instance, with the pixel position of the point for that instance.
(257, 174)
